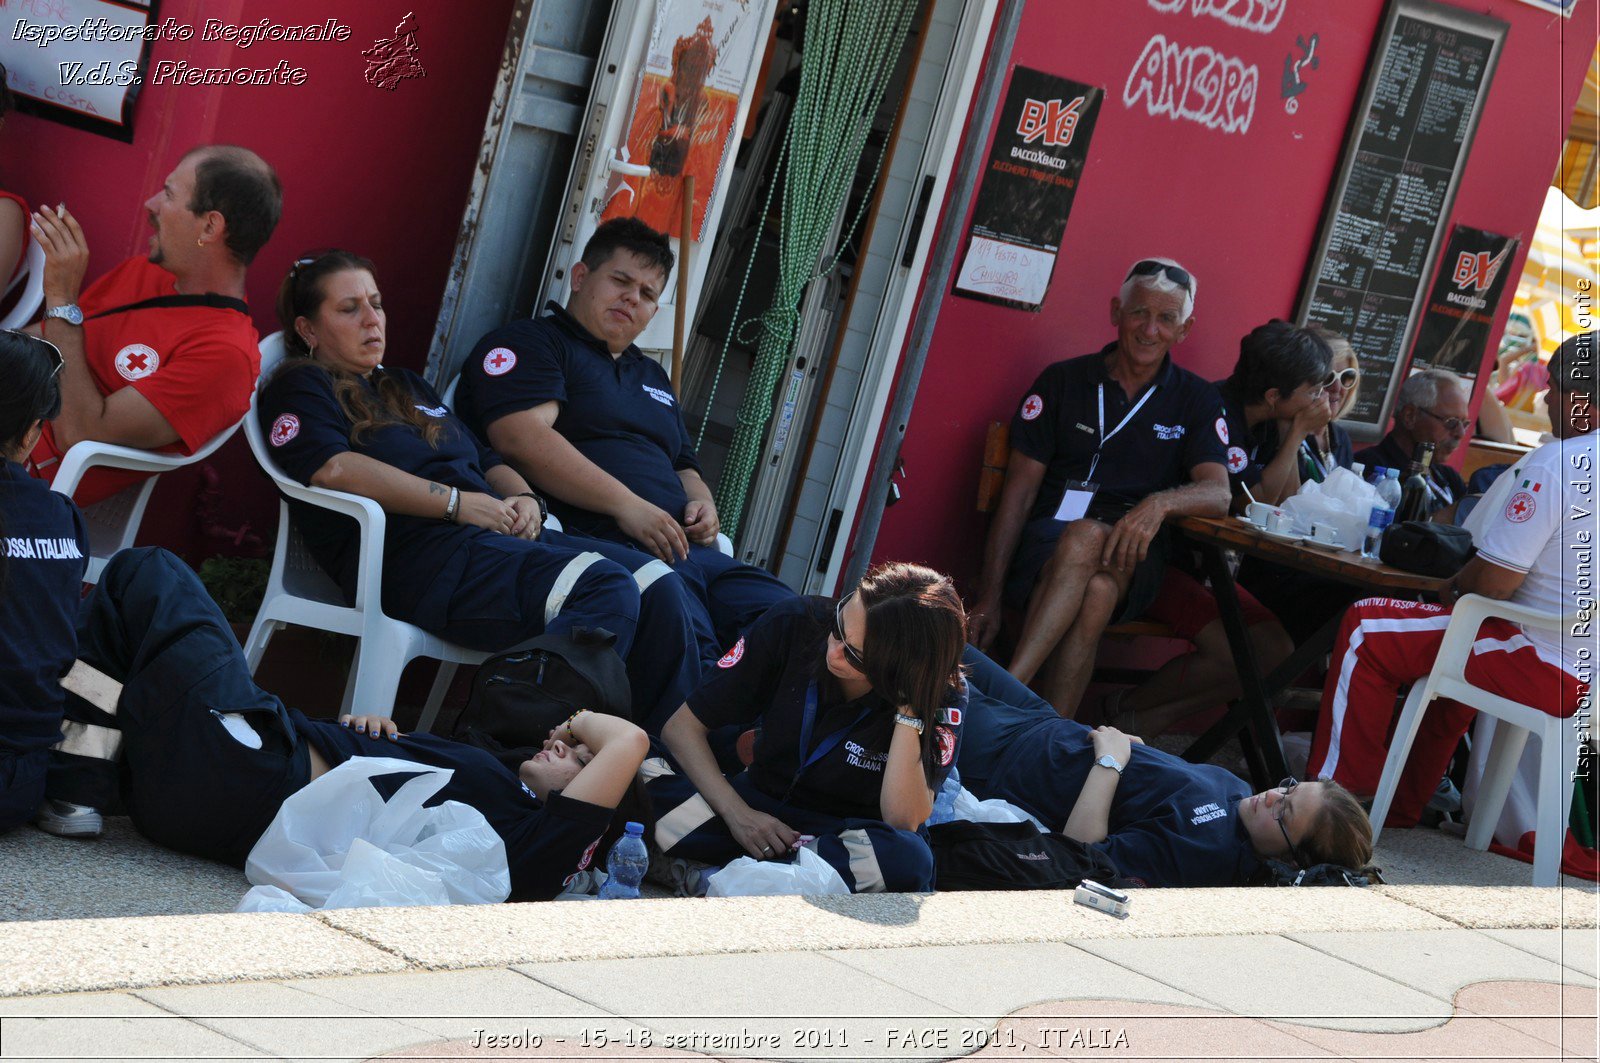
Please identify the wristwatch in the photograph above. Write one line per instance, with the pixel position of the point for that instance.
(68, 312)
(910, 721)
(1106, 760)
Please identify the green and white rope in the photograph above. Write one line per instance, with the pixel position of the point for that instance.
(851, 48)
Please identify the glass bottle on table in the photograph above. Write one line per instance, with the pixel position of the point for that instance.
(1414, 494)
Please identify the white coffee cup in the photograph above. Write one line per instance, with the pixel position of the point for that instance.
(1257, 513)
(1325, 533)
(1279, 522)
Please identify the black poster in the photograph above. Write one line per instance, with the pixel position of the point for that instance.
(1429, 74)
(1466, 291)
(1040, 144)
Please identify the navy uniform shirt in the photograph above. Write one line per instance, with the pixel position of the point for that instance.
(305, 426)
(1179, 428)
(1172, 823)
(1248, 452)
(619, 412)
(44, 550)
(1445, 483)
(766, 677)
(546, 841)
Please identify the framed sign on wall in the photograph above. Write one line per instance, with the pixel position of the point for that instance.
(81, 62)
(1426, 83)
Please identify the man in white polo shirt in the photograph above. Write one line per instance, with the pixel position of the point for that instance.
(1532, 547)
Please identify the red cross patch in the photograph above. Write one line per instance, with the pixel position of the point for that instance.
(285, 428)
(1032, 407)
(499, 361)
(1521, 507)
(1237, 459)
(136, 361)
(947, 745)
(732, 657)
(1222, 430)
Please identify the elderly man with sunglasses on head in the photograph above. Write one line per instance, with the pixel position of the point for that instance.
(1104, 448)
(1432, 408)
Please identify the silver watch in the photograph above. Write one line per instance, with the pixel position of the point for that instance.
(910, 721)
(68, 312)
(1106, 760)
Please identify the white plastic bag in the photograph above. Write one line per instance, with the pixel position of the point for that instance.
(1345, 501)
(808, 876)
(994, 810)
(337, 843)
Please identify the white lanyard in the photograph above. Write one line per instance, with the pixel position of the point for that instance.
(1315, 458)
(1106, 437)
(1439, 491)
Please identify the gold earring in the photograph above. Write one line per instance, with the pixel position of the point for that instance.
(199, 242)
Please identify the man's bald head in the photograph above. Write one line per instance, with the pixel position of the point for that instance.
(238, 184)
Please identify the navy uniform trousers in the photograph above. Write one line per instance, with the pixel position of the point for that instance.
(870, 855)
(734, 593)
(187, 783)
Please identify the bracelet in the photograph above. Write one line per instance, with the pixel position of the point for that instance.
(572, 738)
(909, 721)
(453, 506)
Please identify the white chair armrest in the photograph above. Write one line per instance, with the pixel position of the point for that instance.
(1469, 613)
(83, 456)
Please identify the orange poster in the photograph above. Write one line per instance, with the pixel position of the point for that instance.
(683, 114)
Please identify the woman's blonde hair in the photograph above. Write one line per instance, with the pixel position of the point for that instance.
(301, 295)
(1342, 351)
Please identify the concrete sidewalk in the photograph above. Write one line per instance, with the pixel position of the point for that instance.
(1424, 968)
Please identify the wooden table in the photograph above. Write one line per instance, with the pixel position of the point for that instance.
(1251, 717)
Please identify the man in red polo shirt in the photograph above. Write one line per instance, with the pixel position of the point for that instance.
(160, 353)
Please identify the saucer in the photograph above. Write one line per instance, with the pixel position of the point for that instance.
(1282, 537)
(1309, 541)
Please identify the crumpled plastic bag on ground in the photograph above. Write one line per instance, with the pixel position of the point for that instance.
(337, 843)
(809, 875)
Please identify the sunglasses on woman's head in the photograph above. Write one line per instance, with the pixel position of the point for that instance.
(55, 352)
(851, 654)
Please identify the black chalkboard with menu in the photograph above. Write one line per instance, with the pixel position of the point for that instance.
(1430, 71)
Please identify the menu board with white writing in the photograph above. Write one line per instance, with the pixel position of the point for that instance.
(1428, 77)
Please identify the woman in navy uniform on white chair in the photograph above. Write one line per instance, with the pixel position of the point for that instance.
(465, 556)
(857, 704)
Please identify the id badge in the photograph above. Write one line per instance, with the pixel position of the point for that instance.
(1075, 503)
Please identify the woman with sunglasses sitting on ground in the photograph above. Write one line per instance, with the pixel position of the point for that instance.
(857, 705)
(44, 550)
(1162, 820)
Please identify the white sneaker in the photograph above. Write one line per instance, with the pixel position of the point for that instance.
(67, 820)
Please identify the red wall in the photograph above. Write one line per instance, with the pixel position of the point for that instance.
(382, 172)
(1241, 210)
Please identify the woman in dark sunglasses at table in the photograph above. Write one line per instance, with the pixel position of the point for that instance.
(44, 549)
(858, 705)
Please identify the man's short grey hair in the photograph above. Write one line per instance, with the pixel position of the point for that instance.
(1572, 366)
(1422, 389)
(1160, 282)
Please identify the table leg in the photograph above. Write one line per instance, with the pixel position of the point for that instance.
(1253, 710)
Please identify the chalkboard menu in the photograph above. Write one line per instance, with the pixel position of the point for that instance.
(1429, 74)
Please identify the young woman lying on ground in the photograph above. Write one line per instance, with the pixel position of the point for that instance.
(1161, 819)
(858, 704)
(209, 756)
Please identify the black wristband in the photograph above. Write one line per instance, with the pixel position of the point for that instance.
(544, 509)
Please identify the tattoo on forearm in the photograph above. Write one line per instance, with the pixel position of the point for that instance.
(437, 489)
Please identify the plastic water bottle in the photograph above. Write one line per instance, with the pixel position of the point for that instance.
(1389, 488)
(1380, 518)
(625, 865)
(944, 804)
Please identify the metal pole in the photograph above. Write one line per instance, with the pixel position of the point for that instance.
(680, 341)
(947, 243)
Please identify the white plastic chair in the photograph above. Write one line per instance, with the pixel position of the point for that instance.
(300, 592)
(30, 281)
(1558, 744)
(113, 522)
(553, 522)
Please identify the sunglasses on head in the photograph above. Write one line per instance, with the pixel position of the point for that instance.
(55, 352)
(851, 654)
(1149, 267)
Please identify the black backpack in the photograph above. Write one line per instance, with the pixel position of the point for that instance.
(1013, 856)
(518, 697)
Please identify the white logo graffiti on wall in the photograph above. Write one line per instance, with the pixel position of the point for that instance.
(136, 361)
(1198, 84)
(1258, 16)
